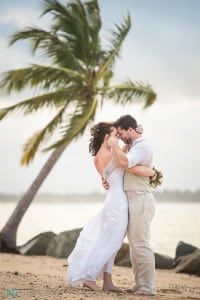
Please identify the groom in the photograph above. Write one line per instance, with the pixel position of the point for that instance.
(141, 203)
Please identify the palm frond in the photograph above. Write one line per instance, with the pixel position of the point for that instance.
(40, 76)
(76, 124)
(79, 25)
(70, 22)
(94, 19)
(32, 145)
(79, 70)
(108, 74)
(36, 35)
(68, 72)
(50, 45)
(54, 7)
(132, 92)
(3, 113)
(31, 105)
(118, 37)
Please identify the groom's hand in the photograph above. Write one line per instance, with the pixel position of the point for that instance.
(105, 183)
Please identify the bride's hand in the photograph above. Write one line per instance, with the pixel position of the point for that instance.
(112, 140)
(125, 148)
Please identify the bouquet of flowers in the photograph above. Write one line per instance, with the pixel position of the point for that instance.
(156, 179)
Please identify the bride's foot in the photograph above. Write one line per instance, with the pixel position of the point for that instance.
(91, 285)
(112, 288)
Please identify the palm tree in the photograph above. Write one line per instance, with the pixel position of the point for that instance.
(75, 82)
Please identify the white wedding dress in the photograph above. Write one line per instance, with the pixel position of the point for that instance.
(103, 235)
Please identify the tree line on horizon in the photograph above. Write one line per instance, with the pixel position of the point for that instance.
(166, 195)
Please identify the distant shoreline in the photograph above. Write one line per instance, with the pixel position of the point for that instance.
(161, 196)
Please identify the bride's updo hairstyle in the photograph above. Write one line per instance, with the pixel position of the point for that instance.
(98, 133)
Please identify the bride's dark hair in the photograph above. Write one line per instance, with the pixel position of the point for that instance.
(98, 133)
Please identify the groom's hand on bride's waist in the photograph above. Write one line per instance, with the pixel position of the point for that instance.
(105, 183)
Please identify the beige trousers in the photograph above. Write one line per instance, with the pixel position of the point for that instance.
(141, 212)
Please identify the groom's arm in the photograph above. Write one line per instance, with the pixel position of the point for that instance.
(118, 153)
(137, 156)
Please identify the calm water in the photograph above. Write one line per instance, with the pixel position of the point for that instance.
(172, 222)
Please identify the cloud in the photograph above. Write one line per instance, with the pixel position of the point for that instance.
(168, 59)
(11, 58)
(19, 12)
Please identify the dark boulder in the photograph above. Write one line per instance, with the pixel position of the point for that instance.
(62, 244)
(123, 256)
(183, 249)
(163, 261)
(37, 245)
(123, 259)
(189, 264)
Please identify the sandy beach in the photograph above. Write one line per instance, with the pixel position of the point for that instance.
(43, 277)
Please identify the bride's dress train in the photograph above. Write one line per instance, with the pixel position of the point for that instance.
(103, 235)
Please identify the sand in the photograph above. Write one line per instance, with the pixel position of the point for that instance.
(43, 278)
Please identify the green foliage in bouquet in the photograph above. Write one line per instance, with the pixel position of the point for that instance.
(156, 179)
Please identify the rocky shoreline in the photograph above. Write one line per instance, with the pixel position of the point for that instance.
(186, 260)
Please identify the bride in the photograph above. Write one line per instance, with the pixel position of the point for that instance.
(95, 250)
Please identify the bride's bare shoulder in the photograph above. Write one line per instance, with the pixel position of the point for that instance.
(101, 159)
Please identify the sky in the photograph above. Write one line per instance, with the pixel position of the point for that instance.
(162, 49)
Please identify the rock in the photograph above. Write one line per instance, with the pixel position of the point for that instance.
(189, 264)
(123, 256)
(37, 245)
(62, 244)
(124, 262)
(123, 259)
(122, 252)
(183, 249)
(163, 261)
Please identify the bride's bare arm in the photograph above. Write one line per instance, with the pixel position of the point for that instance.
(141, 171)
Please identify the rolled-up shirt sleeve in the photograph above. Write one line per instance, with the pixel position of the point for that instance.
(138, 155)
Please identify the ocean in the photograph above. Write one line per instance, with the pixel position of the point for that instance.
(173, 221)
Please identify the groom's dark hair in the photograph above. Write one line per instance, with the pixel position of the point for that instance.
(125, 122)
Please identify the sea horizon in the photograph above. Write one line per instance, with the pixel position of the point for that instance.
(174, 220)
(165, 195)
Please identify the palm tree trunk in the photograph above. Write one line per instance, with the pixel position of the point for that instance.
(8, 234)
